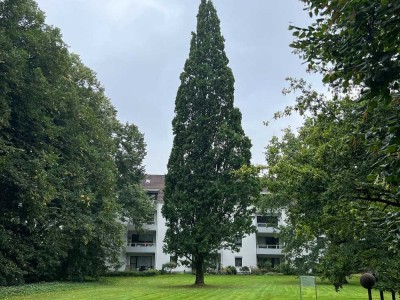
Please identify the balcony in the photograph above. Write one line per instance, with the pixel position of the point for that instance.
(141, 247)
(267, 227)
(270, 249)
(148, 226)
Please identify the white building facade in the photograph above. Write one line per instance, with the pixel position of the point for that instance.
(144, 248)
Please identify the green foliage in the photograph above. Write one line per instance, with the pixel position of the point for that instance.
(168, 267)
(131, 150)
(210, 185)
(344, 166)
(353, 43)
(286, 268)
(33, 289)
(355, 46)
(265, 267)
(62, 153)
(147, 273)
(245, 269)
(255, 271)
(229, 270)
(318, 176)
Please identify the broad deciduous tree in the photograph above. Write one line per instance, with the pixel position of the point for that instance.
(61, 156)
(316, 175)
(355, 46)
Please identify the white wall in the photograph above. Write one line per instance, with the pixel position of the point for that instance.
(248, 251)
(161, 257)
(122, 257)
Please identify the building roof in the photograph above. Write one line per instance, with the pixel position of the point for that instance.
(155, 183)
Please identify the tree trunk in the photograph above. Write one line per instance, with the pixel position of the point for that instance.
(199, 271)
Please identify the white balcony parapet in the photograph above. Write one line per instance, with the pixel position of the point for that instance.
(270, 249)
(270, 246)
(273, 225)
(148, 226)
(267, 228)
(141, 244)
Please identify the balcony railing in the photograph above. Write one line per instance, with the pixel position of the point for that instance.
(274, 225)
(141, 244)
(270, 246)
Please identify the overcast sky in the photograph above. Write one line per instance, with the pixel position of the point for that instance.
(138, 49)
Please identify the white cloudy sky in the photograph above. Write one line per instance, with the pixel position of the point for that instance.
(138, 49)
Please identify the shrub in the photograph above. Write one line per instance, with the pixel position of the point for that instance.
(230, 270)
(255, 271)
(265, 267)
(168, 267)
(147, 273)
(212, 271)
(286, 268)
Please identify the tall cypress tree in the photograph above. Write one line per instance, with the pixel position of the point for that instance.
(210, 187)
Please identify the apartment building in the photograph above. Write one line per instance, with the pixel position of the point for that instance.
(144, 248)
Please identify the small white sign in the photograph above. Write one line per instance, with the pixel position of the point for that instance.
(307, 280)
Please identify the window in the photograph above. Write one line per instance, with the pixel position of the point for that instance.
(152, 195)
(272, 221)
(238, 242)
(268, 261)
(135, 238)
(142, 238)
(271, 241)
(152, 218)
(173, 259)
(141, 263)
(146, 238)
(261, 219)
(267, 221)
(238, 261)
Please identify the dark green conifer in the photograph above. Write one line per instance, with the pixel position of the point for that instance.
(210, 186)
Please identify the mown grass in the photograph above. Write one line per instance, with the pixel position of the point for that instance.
(180, 286)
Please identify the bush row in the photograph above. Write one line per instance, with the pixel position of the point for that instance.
(147, 273)
(284, 268)
(229, 270)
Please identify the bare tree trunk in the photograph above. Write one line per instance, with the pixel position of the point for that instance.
(199, 264)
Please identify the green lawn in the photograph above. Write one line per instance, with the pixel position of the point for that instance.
(181, 287)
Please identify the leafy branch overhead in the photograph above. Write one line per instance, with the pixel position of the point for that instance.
(356, 45)
(339, 176)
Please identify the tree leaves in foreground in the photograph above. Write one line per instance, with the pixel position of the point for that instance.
(317, 176)
(58, 157)
(210, 185)
(355, 46)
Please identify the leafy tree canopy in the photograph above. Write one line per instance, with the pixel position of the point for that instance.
(333, 227)
(62, 157)
(355, 46)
